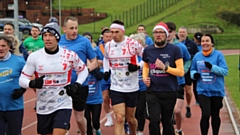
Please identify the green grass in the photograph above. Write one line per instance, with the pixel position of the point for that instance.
(185, 13)
(232, 81)
(199, 12)
(110, 7)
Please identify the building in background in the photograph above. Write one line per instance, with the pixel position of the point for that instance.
(39, 11)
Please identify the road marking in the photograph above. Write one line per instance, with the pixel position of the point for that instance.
(29, 125)
(29, 100)
(104, 118)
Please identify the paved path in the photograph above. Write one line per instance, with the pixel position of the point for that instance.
(190, 125)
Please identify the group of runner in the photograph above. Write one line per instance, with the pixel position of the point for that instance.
(141, 78)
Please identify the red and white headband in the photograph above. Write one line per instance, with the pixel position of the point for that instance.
(117, 26)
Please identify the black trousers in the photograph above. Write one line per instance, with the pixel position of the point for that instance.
(92, 114)
(160, 104)
(141, 110)
(210, 107)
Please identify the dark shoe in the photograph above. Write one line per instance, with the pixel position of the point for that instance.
(35, 106)
(173, 122)
(188, 112)
(126, 128)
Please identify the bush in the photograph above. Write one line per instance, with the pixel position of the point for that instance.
(72, 14)
(44, 13)
(230, 17)
(79, 14)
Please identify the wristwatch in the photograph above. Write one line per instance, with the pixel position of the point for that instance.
(166, 67)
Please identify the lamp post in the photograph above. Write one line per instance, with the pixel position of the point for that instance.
(60, 14)
(51, 8)
(16, 31)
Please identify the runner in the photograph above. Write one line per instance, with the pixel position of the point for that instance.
(52, 66)
(121, 58)
(71, 40)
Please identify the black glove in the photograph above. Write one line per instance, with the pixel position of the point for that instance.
(37, 83)
(106, 76)
(133, 68)
(208, 64)
(197, 76)
(71, 89)
(18, 93)
(97, 73)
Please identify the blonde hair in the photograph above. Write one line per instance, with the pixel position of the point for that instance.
(140, 36)
(15, 45)
(93, 44)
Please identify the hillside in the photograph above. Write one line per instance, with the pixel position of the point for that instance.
(184, 13)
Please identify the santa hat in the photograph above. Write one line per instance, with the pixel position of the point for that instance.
(163, 26)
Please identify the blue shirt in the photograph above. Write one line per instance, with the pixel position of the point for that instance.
(10, 71)
(95, 89)
(186, 57)
(199, 47)
(149, 40)
(211, 82)
(142, 86)
(82, 47)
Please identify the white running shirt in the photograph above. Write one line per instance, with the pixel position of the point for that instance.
(57, 69)
(117, 55)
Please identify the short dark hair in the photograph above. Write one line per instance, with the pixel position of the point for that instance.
(118, 22)
(141, 25)
(36, 27)
(106, 31)
(211, 37)
(9, 23)
(171, 26)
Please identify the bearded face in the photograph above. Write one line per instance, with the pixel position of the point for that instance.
(160, 43)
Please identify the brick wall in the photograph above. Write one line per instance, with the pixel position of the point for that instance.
(40, 9)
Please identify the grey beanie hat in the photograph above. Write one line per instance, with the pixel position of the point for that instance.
(53, 19)
(52, 27)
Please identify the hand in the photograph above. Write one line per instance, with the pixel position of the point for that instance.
(159, 64)
(37, 83)
(197, 76)
(18, 93)
(106, 76)
(147, 81)
(133, 68)
(208, 64)
(97, 74)
(71, 89)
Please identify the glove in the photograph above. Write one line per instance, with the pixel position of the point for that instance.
(106, 76)
(208, 64)
(197, 76)
(37, 83)
(18, 93)
(97, 73)
(133, 68)
(71, 89)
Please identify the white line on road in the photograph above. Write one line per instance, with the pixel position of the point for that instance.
(29, 100)
(29, 125)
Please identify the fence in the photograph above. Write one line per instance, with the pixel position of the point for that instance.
(143, 11)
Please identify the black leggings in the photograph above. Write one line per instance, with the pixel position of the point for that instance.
(92, 114)
(195, 90)
(141, 110)
(210, 107)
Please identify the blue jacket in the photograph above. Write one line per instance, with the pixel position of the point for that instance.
(211, 82)
(24, 51)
